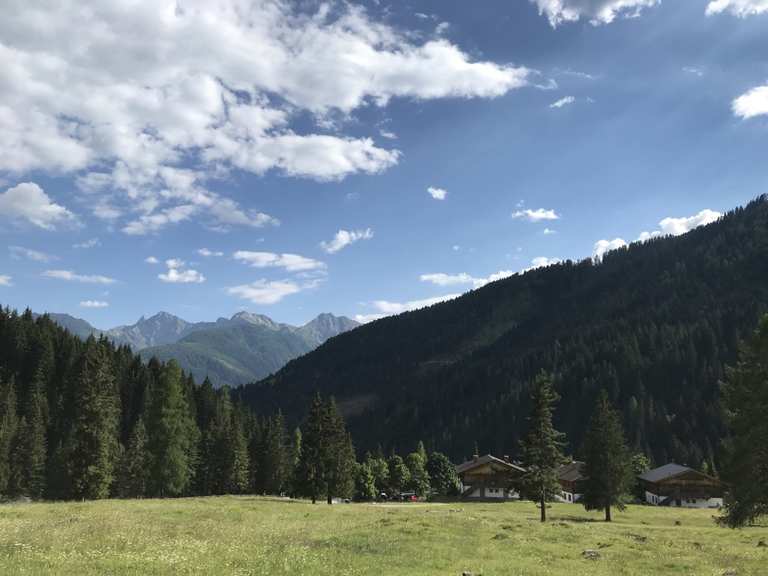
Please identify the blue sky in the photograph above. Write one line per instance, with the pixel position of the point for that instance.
(278, 157)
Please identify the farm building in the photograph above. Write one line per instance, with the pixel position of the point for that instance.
(676, 485)
(489, 478)
(571, 481)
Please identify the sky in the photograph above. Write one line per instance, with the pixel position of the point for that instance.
(203, 157)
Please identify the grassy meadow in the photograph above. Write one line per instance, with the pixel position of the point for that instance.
(250, 535)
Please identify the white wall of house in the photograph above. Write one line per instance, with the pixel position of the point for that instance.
(656, 500)
(568, 497)
(491, 493)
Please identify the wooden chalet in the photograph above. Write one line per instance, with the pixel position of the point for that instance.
(571, 480)
(489, 478)
(676, 485)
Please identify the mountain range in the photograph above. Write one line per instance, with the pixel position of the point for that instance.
(229, 351)
(655, 324)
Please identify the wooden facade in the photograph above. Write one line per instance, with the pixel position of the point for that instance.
(675, 485)
(489, 478)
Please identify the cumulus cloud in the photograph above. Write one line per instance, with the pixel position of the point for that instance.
(178, 274)
(565, 101)
(151, 260)
(603, 246)
(92, 243)
(19, 252)
(596, 11)
(752, 103)
(264, 291)
(289, 262)
(27, 201)
(740, 8)
(344, 238)
(208, 253)
(94, 304)
(437, 193)
(124, 95)
(387, 308)
(5, 280)
(678, 226)
(537, 215)
(70, 276)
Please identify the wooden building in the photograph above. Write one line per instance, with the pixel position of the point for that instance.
(676, 485)
(571, 481)
(489, 478)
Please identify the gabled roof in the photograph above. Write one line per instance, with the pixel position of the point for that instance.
(665, 472)
(487, 459)
(571, 472)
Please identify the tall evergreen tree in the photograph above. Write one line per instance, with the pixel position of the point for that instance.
(365, 487)
(745, 396)
(542, 448)
(93, 448)
(417, 466)
(172, 435)
(311, 469)
(338, 454)
(399, 475)
(607, 460)
(134, 469)
(31, 447)
(9, 423)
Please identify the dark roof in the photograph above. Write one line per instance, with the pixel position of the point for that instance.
(664, 472)
(487, 459)
(571, 472)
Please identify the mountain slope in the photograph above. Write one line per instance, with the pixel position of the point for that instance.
(247, 347)
(162, 328)
(655, 324)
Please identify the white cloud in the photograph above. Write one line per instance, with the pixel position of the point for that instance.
(694, 70)
(344, 238)
(565, 101)
(678, 226)
(94, 304)
(208, 253)
(740, 8)
(92, 243)
(5, 280)
(751, 104)
(549, 231)
(151, 260)
(442, 279)
(70, 276)
(387, 307)
(289, 262)
(596, 11)
(537, 215)
(124, 95)
(437, 193)
(265, 292)
(541, 262)
(177, 274)
(19, 252)
(27, 201)
(603, 246)
(389, 135)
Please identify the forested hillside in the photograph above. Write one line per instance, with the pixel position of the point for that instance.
(654, 324)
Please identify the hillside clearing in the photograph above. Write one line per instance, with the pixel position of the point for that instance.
(250, 535)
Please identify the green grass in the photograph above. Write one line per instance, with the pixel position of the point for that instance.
(247, 535)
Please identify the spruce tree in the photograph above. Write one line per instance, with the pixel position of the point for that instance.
(92, 447)
(542, 446)
(239, 464)
(172, 435)
(745, 397)
(399, 475)
(32, 448)
(338, 454)
(134, 470)
(311, 469)
(9, 423)
(607, 460)
(365, 487)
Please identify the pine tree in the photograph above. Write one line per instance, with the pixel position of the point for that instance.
(134, 469)
(607, 461)
(172, 435)
(542, 447)
(32, 447)
(294, 457)
(8, 427)
(745, 396)
(338, 454)
(92, 448)
(417, 466)
(239, 465)
(442, 474)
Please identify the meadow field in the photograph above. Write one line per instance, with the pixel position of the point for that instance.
(251, 535)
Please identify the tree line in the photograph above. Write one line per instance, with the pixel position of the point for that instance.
(85, 419)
